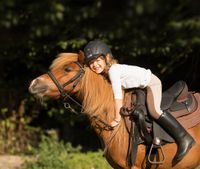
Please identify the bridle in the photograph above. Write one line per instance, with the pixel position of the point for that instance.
(66, 95)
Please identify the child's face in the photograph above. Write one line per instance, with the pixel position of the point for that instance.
(98, 65)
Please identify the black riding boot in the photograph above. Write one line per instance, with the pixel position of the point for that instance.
(182, 138)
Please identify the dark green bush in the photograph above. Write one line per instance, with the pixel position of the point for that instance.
(53, 154)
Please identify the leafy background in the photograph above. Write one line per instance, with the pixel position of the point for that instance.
(157, 34)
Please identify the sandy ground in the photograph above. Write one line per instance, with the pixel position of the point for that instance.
(10, 162)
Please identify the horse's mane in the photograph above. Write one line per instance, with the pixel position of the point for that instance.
(98, 101)
(95, 91)
(98, 96)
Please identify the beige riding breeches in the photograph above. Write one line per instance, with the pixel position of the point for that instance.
(154, 96)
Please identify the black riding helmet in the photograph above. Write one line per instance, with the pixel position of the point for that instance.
(94, 49)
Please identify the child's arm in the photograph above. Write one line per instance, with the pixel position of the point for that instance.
(117, 118)
(118, 105)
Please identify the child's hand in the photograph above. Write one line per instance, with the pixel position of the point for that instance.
(115, 122)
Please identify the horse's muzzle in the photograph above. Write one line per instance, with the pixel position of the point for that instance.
(37, 87)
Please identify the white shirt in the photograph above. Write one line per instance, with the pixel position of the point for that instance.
(127, 76)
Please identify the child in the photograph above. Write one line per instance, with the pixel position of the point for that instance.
(98, 57)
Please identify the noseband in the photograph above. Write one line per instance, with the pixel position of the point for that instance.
(76, 79)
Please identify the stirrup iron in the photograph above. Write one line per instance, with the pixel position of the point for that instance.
(156, 145)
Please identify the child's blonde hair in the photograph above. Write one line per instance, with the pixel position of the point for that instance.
(110, 60)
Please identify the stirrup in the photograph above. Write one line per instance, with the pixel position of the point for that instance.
(156, 145)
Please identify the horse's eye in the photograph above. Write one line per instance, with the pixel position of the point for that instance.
(67, 69)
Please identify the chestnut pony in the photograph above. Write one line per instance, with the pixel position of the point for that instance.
(67, 76)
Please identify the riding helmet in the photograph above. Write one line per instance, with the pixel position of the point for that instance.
(94, 49)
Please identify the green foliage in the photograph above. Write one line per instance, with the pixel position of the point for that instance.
(33, 32)
(16, 135)
(163, 33)
(53, 154)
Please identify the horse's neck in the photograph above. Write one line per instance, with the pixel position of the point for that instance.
(103, 111)
(105, 135)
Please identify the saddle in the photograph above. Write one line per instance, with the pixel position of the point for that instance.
(141, 127)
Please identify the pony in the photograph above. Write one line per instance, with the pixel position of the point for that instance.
(68, 77)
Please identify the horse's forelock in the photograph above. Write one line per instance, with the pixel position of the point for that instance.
(62, 59)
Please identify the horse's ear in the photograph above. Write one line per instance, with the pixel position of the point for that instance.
(81, 57)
